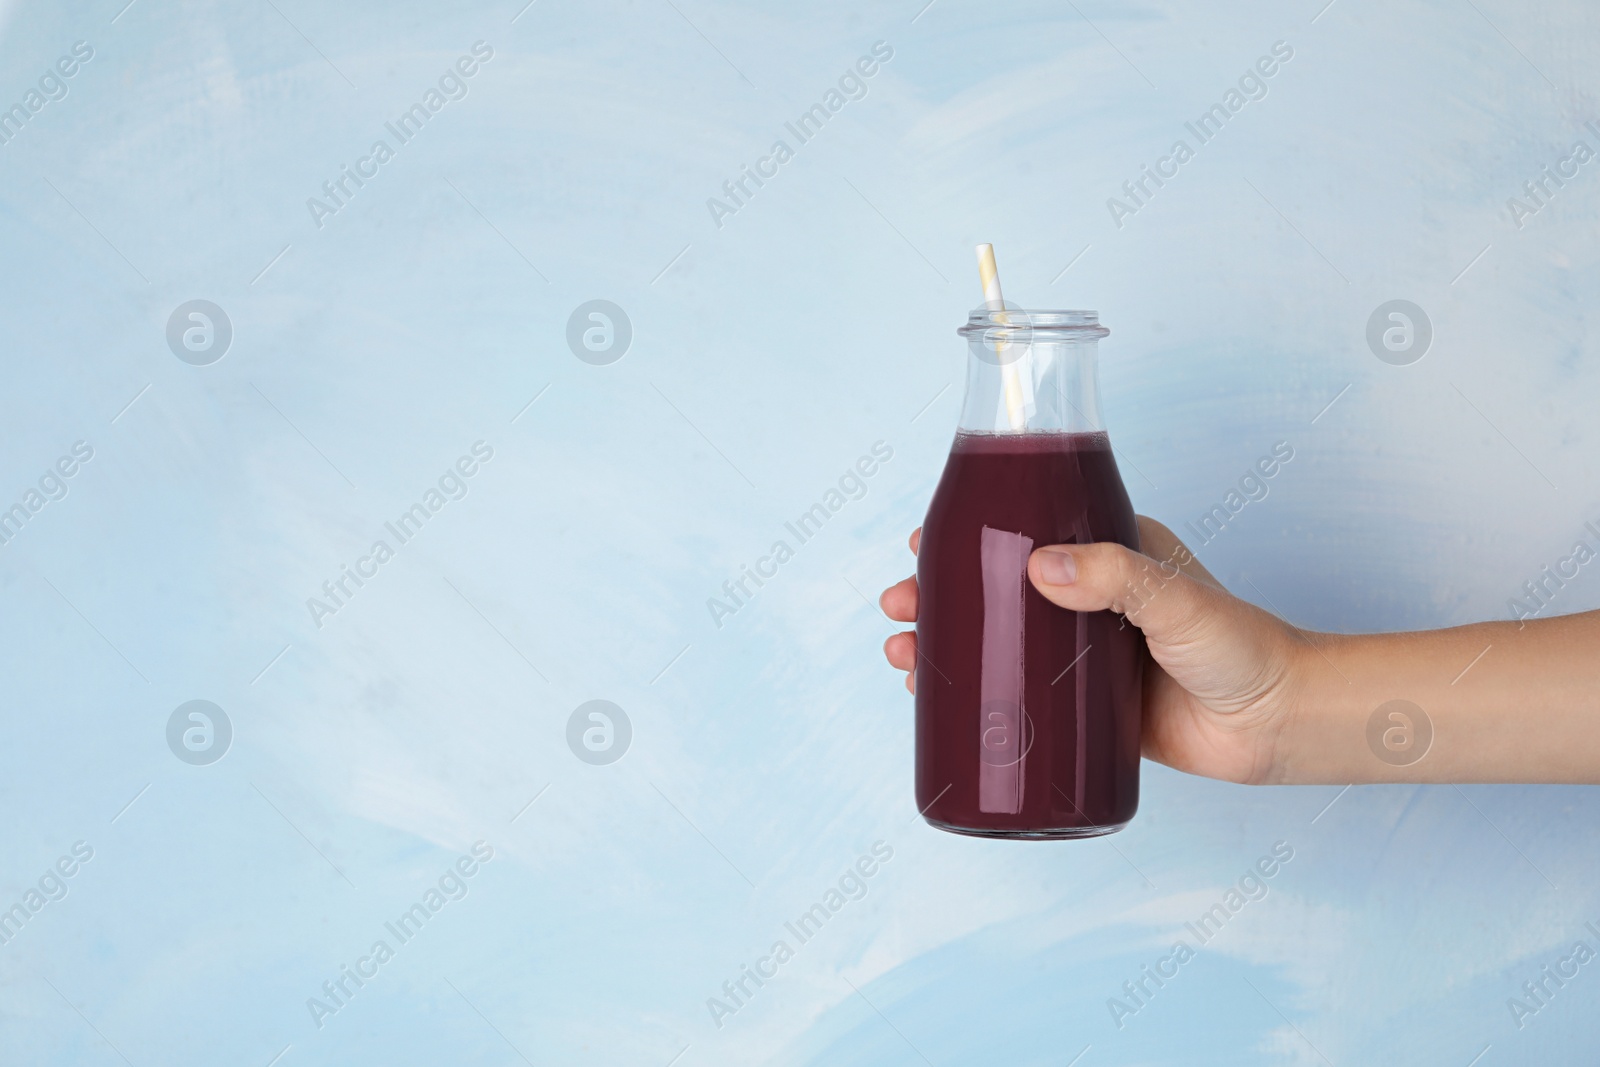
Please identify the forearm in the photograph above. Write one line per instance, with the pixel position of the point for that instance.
(1505, 702)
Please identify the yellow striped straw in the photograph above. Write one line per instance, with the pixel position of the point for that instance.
(1016, 403)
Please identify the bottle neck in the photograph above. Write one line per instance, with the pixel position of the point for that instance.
(1041, 377)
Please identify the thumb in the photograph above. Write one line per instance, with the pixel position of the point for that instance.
(1169, 606)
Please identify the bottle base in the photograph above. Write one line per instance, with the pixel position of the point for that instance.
(1065, 833)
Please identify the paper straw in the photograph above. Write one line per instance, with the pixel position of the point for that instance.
(1016, 401)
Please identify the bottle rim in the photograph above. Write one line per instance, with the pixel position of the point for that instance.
(1013, 324)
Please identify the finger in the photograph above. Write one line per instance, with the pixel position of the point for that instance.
(1168, 605)
(916, 539)
(911, 682)
(901, 651)
(1162, 545)
(899, 601)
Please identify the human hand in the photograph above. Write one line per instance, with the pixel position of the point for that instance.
(1223, 675)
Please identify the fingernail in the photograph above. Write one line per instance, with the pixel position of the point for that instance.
(1057, 568)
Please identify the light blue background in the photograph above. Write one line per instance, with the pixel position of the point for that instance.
(768, 354)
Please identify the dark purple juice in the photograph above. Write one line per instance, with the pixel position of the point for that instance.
(1027, 714)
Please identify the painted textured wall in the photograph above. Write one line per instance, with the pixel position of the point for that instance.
(414, 338)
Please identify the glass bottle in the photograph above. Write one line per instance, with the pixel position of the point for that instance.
(1028, 715)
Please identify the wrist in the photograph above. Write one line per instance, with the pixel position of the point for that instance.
(1323, 738)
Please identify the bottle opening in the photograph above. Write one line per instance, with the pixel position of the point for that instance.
(1015, 325)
